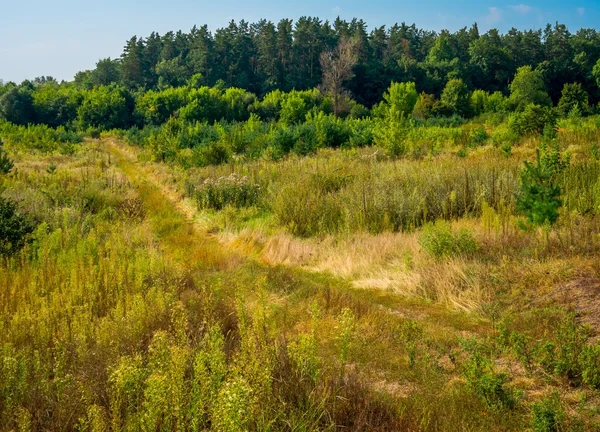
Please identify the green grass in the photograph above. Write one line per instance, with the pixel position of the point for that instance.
(130, 310)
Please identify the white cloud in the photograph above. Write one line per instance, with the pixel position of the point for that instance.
(580, 11)
(336, 10)
(522, 8)
(494, 15)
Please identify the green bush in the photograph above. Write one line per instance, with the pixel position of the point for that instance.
(6, 164)
(483, 381)
(590, 365)
(233, 190)
(440, 241)
(548, 414)
(211, 154)
(532, 120)
(479, 137)
(15, 228)
(539, 196)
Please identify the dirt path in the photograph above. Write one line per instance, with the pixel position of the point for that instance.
(172, 218)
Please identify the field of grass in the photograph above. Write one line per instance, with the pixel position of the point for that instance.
(342, 290)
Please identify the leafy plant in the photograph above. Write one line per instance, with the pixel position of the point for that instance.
(15, 228)
(548, 414)
(440, 240)
(6, 164)
(483, 381)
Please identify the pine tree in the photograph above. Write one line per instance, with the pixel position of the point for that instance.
(539, 197)
(6, 165)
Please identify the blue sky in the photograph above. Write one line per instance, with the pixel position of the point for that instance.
(61, 37)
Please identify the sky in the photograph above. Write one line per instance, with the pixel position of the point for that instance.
(61, 37)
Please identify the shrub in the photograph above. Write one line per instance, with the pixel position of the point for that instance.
(206, 104)
(6, 165)
(391, 134)
(439, 240)
(590, 365)
(574, 99)
(483, 381)
(331, 131)
(528, 88)
(401, 98)
(233, 190)
(423, 109)
(532, 120)
(548, 414)
(293, 109)
(455, 98)
(106, 107)
(15, 228)
(539, 196)
(211, 154)
(479, 137)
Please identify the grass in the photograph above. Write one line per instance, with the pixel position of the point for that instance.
(132, 308)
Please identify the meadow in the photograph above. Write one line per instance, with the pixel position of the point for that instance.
(206, 234)
(343, 288)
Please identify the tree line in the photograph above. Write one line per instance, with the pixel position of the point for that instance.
(226, 74)
(264, 56)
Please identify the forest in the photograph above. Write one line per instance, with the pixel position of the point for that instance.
(305, 226)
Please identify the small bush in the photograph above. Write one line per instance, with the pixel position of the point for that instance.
(532, 120)
(548, 414)
(15, 228)
(487, 384)
(211, 154)
(539, 197)
(440, 241)
(6, 165)
(233, 190)
(479, 137)
(590, 365)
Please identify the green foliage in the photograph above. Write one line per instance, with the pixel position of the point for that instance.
(596, 73)
(331, 131)
(401, 98)
(479, 137)
(16, 106)
(157, 107)
(233, 410)
(56, 105)
(205, 104)
(347, 321)
(531, 120)
(424, 108)
(15, 228)
(528, 88)
(590, 365)
(455, 98)
(6, 164)
(548, 414)
(441, 241)
(390, 133)
(539, 196)
(309, 208)
(233, 190)
(293, 110)
(479, 102)
(483, 381)
(236, 102)
(106, 107)
(574, 97)
(39, 137)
